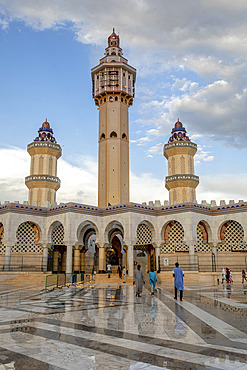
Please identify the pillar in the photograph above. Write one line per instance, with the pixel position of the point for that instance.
(157, 255)
(55, 259)
(7, 258)
(192, 255)
(130, 260)
(63, 267)
(69, 255)
(82, 260)
(45, 257)
(76, 260)
(102, 267)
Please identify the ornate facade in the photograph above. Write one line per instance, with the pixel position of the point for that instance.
(71, 237)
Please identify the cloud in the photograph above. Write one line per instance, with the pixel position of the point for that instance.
(78, 181)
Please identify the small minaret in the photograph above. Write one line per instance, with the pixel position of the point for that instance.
(43, 181)
(113, 82)
(181, 181)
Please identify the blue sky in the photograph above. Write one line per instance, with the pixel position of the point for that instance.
(191, 63)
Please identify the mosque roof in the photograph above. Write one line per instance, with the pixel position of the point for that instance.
(45, 133)
(178, 133)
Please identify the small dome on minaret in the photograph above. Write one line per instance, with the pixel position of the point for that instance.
(178, 133)
(113, 39)
(45, 133)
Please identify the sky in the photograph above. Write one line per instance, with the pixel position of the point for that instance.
(191, 61)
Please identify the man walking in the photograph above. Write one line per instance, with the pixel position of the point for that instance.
(152, 280)
(139, 280)
(178, 275)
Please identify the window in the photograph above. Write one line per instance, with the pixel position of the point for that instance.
(113, 134)
(116, 98)
(124, 136)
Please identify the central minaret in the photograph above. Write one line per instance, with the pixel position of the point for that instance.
(113, 92)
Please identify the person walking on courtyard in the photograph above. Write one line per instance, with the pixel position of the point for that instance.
(109, 271)
(119, 271)
(124, 274)
(243, 276)
(139, 280)
(228, 275)
(152, 280)
(223, 275)
(178, 275)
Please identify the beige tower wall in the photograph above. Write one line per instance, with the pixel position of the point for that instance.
(43, 162)
(181, 162)
(113, 181)
(40, 195)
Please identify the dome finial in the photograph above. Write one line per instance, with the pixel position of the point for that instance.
(113, 29)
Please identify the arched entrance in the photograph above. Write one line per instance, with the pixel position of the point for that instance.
(144, 252)
(115, 253)
(57, 251)
(88, 253)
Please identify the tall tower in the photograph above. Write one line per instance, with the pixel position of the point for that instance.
(113, 92)
(181, 181)
(43, 181)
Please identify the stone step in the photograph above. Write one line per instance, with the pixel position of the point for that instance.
(103, 278)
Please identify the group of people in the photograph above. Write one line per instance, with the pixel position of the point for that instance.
(139, 280)
(226, 275)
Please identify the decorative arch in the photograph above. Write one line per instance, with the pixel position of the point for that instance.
(113, 134)
(50, 165)
(182, 164)
(28, 236)
(124, 136)
(41, 164)
(144, 234)
(85, 230)
(102, 136)
(202, 238)
(112, 229)
(174, 238)
(57, 234)
(231, 237)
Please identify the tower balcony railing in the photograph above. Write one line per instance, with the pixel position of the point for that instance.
(180, 143)
(182, 177)
(44, 144)
(42, 178)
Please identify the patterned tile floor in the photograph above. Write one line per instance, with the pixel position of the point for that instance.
(102, 326)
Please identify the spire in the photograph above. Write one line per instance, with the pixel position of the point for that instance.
(178, 133)
(45, 133)
(113, 39)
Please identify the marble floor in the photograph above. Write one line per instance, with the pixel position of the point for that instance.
(103, 326)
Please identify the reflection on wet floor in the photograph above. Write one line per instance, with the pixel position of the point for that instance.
(106, 326)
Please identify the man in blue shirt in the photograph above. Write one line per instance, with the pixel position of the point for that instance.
(178, 274)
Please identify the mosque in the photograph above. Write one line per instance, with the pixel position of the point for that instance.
(70, 237)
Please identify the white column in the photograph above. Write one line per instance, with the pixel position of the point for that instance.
(7, 258)
(69, 259)
(192, 254)
(130, 260)
(45, 258)
(157, 254)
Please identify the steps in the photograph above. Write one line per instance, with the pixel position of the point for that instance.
(103, 279)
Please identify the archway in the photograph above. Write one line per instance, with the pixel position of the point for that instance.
(115, 254)
(144, 252)
(58, 250)
(87, 250)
